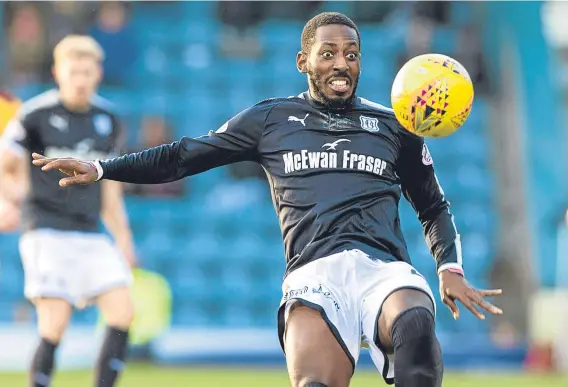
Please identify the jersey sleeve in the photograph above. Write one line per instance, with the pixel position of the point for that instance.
(19, 135)
(422, 189)
(237, 140)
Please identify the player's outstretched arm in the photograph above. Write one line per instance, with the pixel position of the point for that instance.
(152, 166)
(422, 189)
(237, 140)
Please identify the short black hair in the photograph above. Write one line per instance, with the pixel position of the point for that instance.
(324, 19)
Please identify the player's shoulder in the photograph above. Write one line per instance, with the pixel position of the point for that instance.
(270, 103)
(386, 114)
(263, 109)
(102, 105)
(39, 104)
(376, 108)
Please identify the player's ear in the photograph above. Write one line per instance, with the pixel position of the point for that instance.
(302, 62)
(101, 73)
(54, 73)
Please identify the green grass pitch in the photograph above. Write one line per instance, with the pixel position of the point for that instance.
(141, 375)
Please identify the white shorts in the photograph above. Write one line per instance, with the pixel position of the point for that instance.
(349, 289)
(71, 265)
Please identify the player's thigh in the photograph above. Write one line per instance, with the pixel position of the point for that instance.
(51, 265)
(106, 269)
(53, 315)
(116, 307)
(397, 288)
(313, 353)
(397, 303)
(108, 283)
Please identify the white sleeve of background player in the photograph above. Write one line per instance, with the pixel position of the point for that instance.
(99, 168)
(14, 135)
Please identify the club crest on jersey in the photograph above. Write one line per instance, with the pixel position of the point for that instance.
(103, 124)
(426, 156)
(58, 123)
(369, 123)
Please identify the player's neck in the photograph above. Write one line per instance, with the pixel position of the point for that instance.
(74, 106)
(321, 104)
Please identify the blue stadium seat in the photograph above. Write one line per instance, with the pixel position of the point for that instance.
(281, 34)
(444, 40)
(461, 13)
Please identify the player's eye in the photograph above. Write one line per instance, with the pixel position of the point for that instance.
(327, 54)
(352, 56)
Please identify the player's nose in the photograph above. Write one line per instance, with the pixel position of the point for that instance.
(340, 64)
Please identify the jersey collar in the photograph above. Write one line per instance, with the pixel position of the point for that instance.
(322, 107)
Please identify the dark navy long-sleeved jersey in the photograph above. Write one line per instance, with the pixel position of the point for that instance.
(336, 178)
(45, 125)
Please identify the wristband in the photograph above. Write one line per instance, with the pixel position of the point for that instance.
(451, 267)
(99, 168)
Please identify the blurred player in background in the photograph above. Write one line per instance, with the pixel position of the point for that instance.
(9, 213)
(337, 165)
(68, 261)
(9, 105)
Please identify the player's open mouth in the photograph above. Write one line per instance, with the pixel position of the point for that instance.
(339, 85)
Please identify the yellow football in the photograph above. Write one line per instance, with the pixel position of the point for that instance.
(432, 95)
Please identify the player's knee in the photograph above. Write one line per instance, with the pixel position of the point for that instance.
(52, 333)
(313, 384)
(117, 308)
(52, 327)
(418, 354)
(121, 318)
(309, 382)
(413, 324)
(53, 317)
(399, 302)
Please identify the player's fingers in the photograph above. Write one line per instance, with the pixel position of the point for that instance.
(487, 306)
(469, 305)
(68, 181)
(37, 156)
(41, 162)
(61, 164)
(452, 306)
(490, 292)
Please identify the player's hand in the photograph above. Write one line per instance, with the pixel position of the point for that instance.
(9, 216)
(80, 172)
(129, 255)
(454, 286)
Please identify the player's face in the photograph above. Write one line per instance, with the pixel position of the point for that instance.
(78, 78)
(334, 64)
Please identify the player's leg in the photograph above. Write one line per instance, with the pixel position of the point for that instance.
(313, 354)
(398, 318)
(108, 284)
(49, 285)
(118, 311)
(406, 327)
(319, 323)
(53, 316)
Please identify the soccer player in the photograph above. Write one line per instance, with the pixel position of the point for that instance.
(9, 213)
(337, 165)
(9, 105)
(68, 261)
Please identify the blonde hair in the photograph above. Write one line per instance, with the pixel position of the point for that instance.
(77, 46)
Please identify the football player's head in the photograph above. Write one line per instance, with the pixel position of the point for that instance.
(77, 69)
(331, 58)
